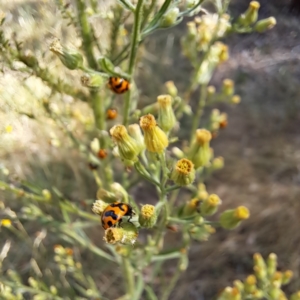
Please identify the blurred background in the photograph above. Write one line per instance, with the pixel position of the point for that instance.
(261, 144)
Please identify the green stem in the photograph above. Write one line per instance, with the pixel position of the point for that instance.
(86, 33)
(135, 38)
(129, 277)
(199, 110)
(168, 290)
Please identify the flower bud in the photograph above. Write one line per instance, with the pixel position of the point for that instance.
(71, 59)
(251, 13)
(200, 153)
(170, 17)
(177, 152)
(99, 207)
(239, 285)
(236, 99)
(136, 133)
(232, 218)
(260, 267)
(272, 264)
(171, 88)
(190, 208)
(119, 191)
(230, 293)
(210, 205)
(47, 195)
(217, 163)
(202, 194)
(93, 79)
(127, 234)
(295, 296)
(228, 87)
(154, 138)
(287, 276)
(166, 117)
(127, 146)
(95, 145)
(184, 173)
(265, 24)
(250, 284)
(148, 216)
(201, 233)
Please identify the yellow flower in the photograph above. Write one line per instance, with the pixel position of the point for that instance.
(232, 218)
(210, 205)
(183, 173)
(5, 222)
(127, 146)
(148, 216)
(127, 234)
(155, 139)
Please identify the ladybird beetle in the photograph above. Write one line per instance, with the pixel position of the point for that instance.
(113, 214)
(118, 85)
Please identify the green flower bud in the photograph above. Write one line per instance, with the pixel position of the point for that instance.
(170, 17)
(287, 276)
(70, 58)
(232, 218)
(265, 24)
(272, 264)
(171, 88)
(135, 132)
(230, 293)
(148, 216)
(177, 152)
(154, 138)
(190, 208)
(250, 284)
(201, 233)
(274, 291)
(120, 192)
(184, 173)
(127, 146)
(127, 234)
(106, 196)
(236, 99)
(200, 153)
(94, 79)
(217, 163)
(295, 296)
(251, 13)
(228, 87)
(260, 267)
(47, 195)
(210, 205)
(239, 285)
(166, 117)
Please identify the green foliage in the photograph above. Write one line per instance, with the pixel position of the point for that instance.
(123, 147)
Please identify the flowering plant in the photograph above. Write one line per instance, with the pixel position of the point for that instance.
(130, 145)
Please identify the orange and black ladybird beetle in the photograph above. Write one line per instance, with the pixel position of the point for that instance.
(113, 214)
(118, 85)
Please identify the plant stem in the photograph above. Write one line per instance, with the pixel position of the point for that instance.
(199, 110)
(171, 284)
(129, 277)
(135, 38)
(86, 34)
